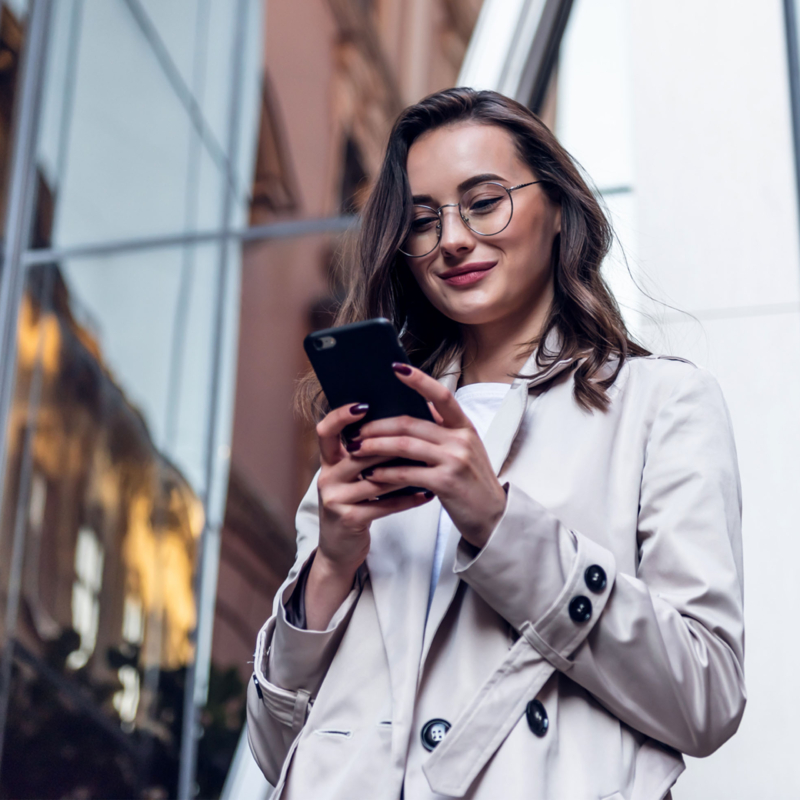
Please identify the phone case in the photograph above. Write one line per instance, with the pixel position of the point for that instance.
(354, 365)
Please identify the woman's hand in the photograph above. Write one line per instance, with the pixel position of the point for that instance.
(459, 472)
(345, 515)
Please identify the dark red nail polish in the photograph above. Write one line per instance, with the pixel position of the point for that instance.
(359, 408)
(401, 368)
(351, 447)
(428, 495)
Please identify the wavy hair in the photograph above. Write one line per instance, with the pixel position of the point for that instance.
(584, 313)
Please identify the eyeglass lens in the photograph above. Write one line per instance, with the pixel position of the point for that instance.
(486, 209)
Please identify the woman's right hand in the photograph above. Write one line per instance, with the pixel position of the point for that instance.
(347, 508)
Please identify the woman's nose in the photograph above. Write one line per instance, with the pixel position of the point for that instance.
(456, 236)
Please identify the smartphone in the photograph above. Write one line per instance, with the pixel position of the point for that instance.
(354, 365)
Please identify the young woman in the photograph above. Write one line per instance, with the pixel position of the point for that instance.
(560, 616)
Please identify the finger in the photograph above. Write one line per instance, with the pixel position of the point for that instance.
(349, 494)
(392, 505)
(402, 426)
(400, 446)
(367, 512)
(330, 427)
(349, 469)
(390, 478)
(433, 391)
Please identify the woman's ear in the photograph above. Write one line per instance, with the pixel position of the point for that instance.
(557, 228)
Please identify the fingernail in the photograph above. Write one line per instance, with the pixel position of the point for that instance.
(367, 473)
(428, 495)
(359, 408)
(401, 368)
(351, 447)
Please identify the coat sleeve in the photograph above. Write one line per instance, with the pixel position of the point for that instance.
(663, 650)
(290, 664)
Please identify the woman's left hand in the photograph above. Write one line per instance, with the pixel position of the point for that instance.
(459, 472)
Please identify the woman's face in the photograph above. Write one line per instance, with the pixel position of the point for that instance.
(480, 280)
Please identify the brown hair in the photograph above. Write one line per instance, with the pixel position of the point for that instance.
(584, 312)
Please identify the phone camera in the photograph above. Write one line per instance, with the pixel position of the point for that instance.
(324, 342)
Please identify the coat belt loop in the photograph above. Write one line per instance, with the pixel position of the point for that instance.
(300, 707)
(540, 645)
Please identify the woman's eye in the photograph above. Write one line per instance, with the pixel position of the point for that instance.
(484, 204)
(422, 224)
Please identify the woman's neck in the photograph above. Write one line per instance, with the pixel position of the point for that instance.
(495, 352)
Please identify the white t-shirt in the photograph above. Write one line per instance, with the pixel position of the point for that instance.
(479, 401)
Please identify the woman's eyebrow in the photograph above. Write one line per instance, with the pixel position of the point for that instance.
(462, 187)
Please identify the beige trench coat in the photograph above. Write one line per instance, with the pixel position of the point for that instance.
(649, 492)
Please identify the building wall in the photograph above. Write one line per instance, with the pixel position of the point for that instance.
(681, 115)
(718, 233)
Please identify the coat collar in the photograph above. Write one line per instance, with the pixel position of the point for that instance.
(507, 421)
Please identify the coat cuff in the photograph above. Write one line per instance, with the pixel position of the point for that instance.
(548, 582)
(284, 705)
(296, 659)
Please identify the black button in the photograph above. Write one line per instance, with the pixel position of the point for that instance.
(595, 577)
(537, 718)
(258, 688)
(433, 732)
(580, 609)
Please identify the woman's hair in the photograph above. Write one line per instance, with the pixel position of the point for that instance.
(584, 313)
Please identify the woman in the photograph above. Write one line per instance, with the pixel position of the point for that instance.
(578, 625)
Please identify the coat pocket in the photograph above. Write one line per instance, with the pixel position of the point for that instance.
(615, 796)
(334, 733)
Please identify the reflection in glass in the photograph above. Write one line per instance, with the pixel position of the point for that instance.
(108, 608)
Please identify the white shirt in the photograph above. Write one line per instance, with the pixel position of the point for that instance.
(480, 402)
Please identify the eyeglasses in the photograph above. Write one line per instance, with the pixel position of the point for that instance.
(486, 209)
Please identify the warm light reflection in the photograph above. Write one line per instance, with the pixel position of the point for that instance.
(160, 565)
(89, 558)
(114, 523)
(126, 701)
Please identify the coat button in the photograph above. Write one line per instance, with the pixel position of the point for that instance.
(580, 609)
(433, 732)
(258, 688)
(537, 718)
(595, 577)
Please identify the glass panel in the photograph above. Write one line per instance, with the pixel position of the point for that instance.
(135, 116)
(251, 99)
(12, 36)
(594, 121)
(112, 352)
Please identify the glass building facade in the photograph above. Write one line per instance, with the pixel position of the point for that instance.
(138, 161)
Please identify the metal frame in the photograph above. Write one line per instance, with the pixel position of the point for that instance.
(19, 215)
(197, 673)
(514, 47)
(274, 230)
(793, 59)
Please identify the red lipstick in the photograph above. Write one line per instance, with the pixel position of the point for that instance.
(467, 274)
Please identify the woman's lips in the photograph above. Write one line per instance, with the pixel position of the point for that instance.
(469, 276)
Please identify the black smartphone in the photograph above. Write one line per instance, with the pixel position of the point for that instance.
(354, 365)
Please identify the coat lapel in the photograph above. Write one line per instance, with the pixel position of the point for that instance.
(499, 438)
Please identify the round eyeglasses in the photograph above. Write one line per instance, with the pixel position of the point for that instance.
(486, 209)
